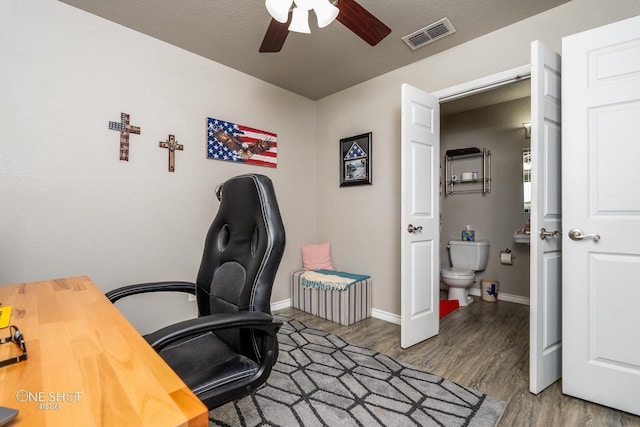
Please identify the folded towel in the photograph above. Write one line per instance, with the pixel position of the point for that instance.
(330, 279)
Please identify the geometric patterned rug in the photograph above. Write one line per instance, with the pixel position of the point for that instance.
(321, 380)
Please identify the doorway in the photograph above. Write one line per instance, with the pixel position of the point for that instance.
(493, 120)
(421, 115)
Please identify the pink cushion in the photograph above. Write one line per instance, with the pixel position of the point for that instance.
(316, 257)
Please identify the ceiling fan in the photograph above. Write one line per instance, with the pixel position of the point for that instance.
(351, 15)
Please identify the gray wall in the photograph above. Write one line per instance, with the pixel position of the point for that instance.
(70, 207)
(363, 223)
(496, 215)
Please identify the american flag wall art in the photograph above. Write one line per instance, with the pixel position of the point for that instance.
(242, 144)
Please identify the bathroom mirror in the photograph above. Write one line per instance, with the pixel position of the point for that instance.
(526, 178)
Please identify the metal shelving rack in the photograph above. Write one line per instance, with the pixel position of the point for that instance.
(482, 184)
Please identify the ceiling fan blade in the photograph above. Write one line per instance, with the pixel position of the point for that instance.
(275, 36)
(362, 22)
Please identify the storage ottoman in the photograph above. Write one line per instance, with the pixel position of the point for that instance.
(341, 306)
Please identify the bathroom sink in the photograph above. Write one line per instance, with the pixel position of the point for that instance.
(522, 238)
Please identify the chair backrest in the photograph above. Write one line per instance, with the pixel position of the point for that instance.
(242, 252)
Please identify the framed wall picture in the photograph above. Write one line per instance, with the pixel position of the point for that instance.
(241, 144)
(355, 160)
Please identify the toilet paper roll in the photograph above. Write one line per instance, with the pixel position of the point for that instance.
(506, 258)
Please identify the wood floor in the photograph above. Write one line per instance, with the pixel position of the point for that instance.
(484, 346)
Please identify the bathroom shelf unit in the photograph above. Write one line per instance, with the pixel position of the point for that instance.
(480, 162)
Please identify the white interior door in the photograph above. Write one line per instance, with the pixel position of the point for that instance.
(420, 214)
(601, 196)
(545, 333)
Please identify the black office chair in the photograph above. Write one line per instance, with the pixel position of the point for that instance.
(230, 348)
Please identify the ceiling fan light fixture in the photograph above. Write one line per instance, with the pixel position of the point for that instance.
(354, 17)
(326, 12)
(300, 21)
(279, 9)
(305, 4)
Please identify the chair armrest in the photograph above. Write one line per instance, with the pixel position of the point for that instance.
(191, 327)
(125, 291)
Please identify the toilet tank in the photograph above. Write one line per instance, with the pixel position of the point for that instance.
(471, 255)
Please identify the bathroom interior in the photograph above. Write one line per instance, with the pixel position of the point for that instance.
(492, 121)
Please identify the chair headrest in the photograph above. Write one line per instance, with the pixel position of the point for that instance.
(247, 231)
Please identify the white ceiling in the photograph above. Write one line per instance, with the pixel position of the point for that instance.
(313, 65)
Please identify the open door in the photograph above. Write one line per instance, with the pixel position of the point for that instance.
(601, 206)
(545, 333)
(420, 215)
(420, 212)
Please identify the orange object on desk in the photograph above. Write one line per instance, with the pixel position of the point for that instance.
(87, 365)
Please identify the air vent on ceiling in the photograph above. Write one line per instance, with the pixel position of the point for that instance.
(429, 34)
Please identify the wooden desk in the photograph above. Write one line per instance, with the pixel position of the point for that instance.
(87, 365)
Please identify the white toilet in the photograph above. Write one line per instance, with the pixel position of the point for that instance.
(466, 259)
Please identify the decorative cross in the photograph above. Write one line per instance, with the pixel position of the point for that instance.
(125, 129)
(172, 145)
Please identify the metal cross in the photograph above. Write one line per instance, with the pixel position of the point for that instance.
(125, 129)
(172, 145)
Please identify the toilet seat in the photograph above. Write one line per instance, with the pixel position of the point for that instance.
(458, 273)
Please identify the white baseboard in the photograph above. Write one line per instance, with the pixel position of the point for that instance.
(386, 316)
(379, 314)
(503, 297)
(395, 318)
(279, 305)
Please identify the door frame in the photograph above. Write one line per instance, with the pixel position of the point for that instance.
(480, 85)
(471, 87)
(483, 84)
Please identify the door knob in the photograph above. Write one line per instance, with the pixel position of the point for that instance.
(412, 229)
(544, 233)
(575, 234)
